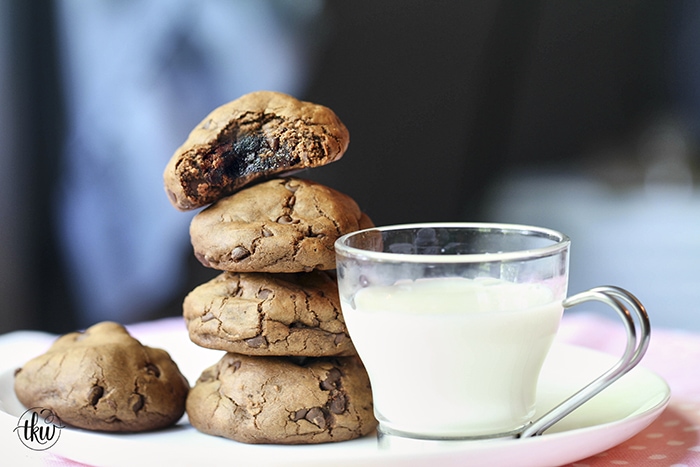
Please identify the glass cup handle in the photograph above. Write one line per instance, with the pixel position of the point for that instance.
(638, 333)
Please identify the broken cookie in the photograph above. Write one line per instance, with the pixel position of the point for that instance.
(104, 379)
(281, 225)
(283, 400)
(256, 136)
(269, 314)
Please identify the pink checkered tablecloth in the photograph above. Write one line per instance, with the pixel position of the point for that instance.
(672, 440)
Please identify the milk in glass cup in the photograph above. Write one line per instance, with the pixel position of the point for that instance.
(453, 322)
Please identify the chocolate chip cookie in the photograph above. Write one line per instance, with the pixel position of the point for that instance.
(280, 225)
(256, 136)
(269, 314)
(283, 400)
(104, 379)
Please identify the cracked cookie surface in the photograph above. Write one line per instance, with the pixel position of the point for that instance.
(269, 314)
(256, 136)
(283, 400)
(104, 379)
(281, 225)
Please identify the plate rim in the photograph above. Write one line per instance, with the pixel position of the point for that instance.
(638, 421)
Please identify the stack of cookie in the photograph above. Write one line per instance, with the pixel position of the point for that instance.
(291, 374)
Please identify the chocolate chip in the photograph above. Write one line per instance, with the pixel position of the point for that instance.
(332, 380)
(257, 341)
(292, 186)
(299, 414)
(151, 369)
(95, 394)
(339, 338)
(235, 364)
(239, 253)
(338, 402)
(285, 219)
(136, 402)
(231, 362)
(263, 294)
(316, 416)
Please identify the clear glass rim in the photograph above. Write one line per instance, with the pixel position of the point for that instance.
(560, 242)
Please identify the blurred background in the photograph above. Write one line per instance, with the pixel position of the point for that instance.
(579, 116)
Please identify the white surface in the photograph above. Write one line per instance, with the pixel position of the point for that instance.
(614, 416)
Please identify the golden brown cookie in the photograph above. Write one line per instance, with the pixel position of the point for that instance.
(104, 379)
(253, 137)
(269, 314)
(283, 400)
(281, 225)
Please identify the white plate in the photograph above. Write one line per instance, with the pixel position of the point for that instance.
(612, 417)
